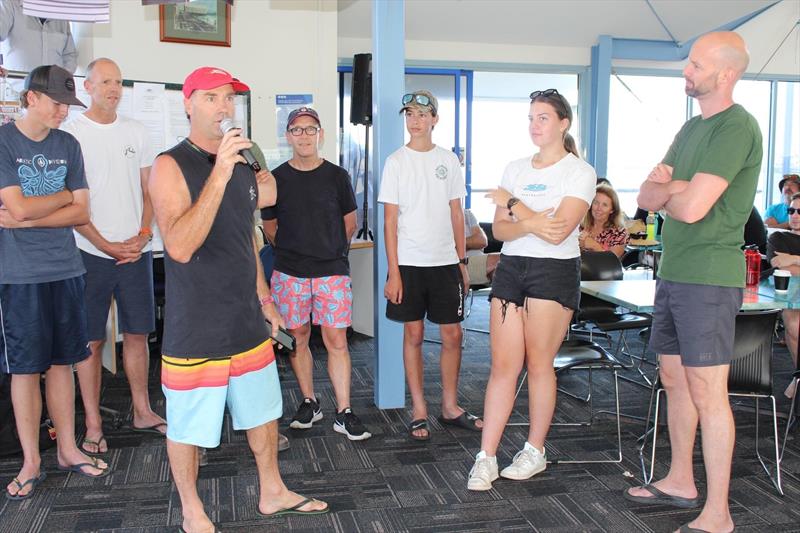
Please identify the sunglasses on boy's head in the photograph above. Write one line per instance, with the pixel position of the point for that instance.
(420, 99)
(793, 210)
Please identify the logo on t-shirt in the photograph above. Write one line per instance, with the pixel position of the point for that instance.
(535, 187)
(441, 172)
(130, 152)
(253, 194)
(37, 178)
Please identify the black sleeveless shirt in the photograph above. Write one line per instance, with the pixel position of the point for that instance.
(212, 308)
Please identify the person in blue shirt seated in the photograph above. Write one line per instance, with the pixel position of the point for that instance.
(777, 216)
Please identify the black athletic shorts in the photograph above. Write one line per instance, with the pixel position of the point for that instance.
(437, 291)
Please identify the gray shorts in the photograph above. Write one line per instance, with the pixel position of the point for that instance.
(697, 322)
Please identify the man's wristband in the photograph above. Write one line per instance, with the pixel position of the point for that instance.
(146, 232)
(464, 261)
(266, 300)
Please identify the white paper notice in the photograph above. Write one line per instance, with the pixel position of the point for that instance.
(149, 108)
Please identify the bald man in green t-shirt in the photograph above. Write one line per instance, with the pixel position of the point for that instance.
(706, 183)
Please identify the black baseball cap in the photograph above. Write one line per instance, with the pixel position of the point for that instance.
(788, 177)
(55, 82)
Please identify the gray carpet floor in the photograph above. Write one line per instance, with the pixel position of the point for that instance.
(391, 484)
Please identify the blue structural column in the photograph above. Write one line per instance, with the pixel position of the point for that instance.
(601, 97)
(388, 83)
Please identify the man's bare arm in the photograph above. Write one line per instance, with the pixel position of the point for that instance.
(73, 214)
(185, 226)
(350, 225)
(697, 198)
(24, 208)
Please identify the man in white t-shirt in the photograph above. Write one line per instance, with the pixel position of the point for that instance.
(115, 246)
(422, 188)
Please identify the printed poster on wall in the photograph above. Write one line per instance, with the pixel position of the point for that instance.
(285, 104)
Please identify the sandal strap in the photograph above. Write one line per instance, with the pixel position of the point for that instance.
(299, 505)
(419, 424)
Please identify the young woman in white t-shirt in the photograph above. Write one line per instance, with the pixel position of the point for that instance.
(536, 286)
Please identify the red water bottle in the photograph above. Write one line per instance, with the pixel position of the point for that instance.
(752, 259)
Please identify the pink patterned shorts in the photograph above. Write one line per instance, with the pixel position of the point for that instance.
(330, 298)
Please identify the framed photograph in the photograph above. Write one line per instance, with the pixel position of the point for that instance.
(198, 22)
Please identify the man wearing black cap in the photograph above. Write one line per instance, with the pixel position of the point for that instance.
(216, 348)
(777, 215)
(43, 194)
(311, 226)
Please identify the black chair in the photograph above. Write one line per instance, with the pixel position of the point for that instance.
(493, 245)
(605, 316)
(581, 354)
(750, 376)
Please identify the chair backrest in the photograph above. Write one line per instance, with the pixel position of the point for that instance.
(600, 266)
(494, 245)
(751, 366)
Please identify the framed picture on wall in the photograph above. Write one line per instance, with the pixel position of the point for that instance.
(198, 22)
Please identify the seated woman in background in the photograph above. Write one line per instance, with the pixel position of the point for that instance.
(602, 228)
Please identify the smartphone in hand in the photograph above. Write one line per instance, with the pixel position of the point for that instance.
(284, 338)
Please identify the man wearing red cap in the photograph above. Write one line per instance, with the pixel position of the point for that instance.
(216, 350)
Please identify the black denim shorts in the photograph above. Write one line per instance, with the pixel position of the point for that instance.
(518, 277)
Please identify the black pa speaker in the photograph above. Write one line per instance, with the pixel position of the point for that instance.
(361, 90)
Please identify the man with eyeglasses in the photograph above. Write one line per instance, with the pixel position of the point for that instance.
(783, 251)
(311, 226)
(776, 215)
(706, 183)
(421, 190)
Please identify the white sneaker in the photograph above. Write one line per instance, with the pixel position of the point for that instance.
(528, 462)
(483, 472)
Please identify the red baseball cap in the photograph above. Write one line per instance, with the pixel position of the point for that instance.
(205, 78)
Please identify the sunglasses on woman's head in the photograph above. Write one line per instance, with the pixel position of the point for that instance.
(545, 94)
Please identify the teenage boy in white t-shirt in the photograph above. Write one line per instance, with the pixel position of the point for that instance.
(422, 189)
(115, 247)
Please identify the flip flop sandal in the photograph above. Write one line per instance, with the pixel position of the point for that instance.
(150, 429)
(416, 425)
(662, 498)
(295, 509)
(33, 482)
(94, 443)
(78, 469)
(465, 420)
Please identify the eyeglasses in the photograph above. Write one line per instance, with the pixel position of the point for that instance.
(545, 94)
(793, 210)
(421, 99)
(297, 131)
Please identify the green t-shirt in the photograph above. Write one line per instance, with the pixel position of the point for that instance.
(709, 252)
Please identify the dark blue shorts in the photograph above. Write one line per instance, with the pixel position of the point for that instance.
(131, 284)
(42, 324)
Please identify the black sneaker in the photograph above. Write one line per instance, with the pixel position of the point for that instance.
(307, 413)
(349, 424)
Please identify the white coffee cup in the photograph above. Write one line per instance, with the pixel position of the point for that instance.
(781, 279)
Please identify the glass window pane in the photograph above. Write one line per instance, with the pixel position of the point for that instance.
(500, 108)
(645, 113)
(787, 136)
(754, 97)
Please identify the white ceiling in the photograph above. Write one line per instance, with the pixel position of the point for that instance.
(570, 23)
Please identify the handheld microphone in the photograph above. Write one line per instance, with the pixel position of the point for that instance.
(226, 125)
